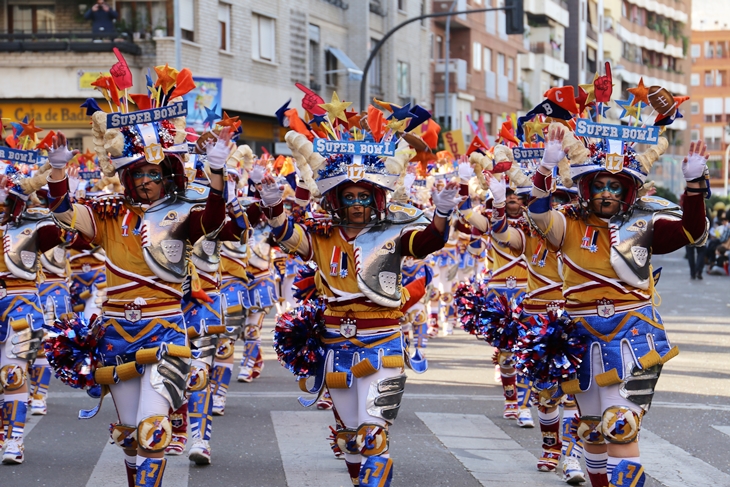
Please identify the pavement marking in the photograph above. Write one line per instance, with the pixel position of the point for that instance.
(31, 422)
(487, 452)
(308, 460)
(674, 467)
(109, 470)
(722, 429)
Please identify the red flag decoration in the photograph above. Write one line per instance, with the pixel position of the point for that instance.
(184, 83)
(311, 100)
(376, 122)
(296, 123)
(603, 86)
(120, 72)
(507, 133)
(47, 140)
(476, 145)
(564, 97)
(430, 133)
(143, 102)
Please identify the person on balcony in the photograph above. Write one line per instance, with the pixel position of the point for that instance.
(102, 18)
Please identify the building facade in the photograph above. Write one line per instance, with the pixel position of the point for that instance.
(483, 68)
(258, 49)
(709, 110)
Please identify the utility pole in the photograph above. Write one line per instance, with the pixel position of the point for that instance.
(447, 60)
(515, 25)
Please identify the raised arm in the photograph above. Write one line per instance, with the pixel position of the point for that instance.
(548, 221)
(290, 236)
(420, 243)
(501, 231)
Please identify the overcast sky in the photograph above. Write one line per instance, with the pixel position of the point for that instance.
(710, 11)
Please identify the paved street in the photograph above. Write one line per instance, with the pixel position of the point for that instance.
(449, 431)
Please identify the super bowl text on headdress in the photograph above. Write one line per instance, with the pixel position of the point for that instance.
(18, 155)
(645, 135)
(178, 109)
(354, 147)
(522, 154)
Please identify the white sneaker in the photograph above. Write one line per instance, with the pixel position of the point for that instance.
(14, 452)
(219, 405)
(245, 374)
(572, 473)
(524, 419)
(200, 452)
(38, 407)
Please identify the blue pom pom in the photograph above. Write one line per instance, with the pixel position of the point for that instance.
(298, 338)
(72, 351)
(494, 318)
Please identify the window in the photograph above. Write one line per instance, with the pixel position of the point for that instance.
(263, 37)
(314, 60)
(713, 137)
(719, 50)
(694, 79)
(402, 5)
(487, 59)
(489, 18)
(404, 79)
(432, 45)
(330, 69)
(708, 78)
(476, 56)
(719, 78)
(695, 108)
(694, 135)
(31, 19)
(149, 16)
(439, 47)
(591, 55)
(500, 64)
(224, 22)
(423, 12)
(375, 70)
(510, 68)
(709, 50)
(187, 19)
(696, 51)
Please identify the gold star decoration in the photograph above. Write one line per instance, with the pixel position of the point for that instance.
(535, 127)
(29, 129)
(165, 77)
(589, 89)
(641, 93)
(398, 125)
(336, 108)
(633, 111)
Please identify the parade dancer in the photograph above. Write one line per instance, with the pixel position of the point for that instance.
(26, 232)
(359, 277)
(543, 294)
(145, 352)
(608, 284)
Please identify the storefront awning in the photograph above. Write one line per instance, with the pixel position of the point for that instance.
(353, 72)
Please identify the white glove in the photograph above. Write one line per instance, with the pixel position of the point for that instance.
(465, 172)
(694, 167)
(446, 201)
(498, 190)
(257, 174)
(59, 158)
(408, 181)
(217, 154)
(553, 154)
(270, 194)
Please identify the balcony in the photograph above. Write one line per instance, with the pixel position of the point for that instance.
(66, 41)
(556, 10)
(591, 32)
(457, 21)
(457, 72)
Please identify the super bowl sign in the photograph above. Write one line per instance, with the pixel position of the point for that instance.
(116, 120)
(17, 155)
(522, 154)
(642, 135)
(328, 147)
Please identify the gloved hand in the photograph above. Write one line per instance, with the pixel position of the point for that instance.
(695, 164)
(554, 152)
(465, 172)
(270, 192)
(59, 153)
(218, 153)
(446, 200)
(498, 190)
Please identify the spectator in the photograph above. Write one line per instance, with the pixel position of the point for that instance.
(102, 18)
(718, 246)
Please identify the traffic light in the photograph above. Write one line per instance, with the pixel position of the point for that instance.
(515, 12)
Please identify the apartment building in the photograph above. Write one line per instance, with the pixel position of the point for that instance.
(483, 67)
(709, 110)
(255, 50)
(646, 39)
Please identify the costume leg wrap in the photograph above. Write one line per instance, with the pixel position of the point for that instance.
(524, 388)
(219, 386)
(130, 466)
(150, 472)
(200, 412)
(15, 411)
(252, 345)
(42, 373)
(551, 445)
(571, 445)
(596, 468)
(376, 471)
(628, 473)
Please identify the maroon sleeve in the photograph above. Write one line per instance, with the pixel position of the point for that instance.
(254, 214)
(209, 219)
(424, 242)
(672, 235)
(49, 236)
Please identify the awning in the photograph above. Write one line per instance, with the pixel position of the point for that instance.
(353, 72)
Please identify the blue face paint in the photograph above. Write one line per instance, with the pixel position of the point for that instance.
(611, 186)
(152, 176)
(349, 200)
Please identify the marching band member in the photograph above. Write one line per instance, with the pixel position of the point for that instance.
(608, 286)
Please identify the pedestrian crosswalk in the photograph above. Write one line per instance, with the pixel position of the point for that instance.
(485, 448)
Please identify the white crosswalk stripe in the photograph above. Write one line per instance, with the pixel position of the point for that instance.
(307, 458)
(109, 470)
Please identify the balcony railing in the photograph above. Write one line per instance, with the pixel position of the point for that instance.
(67, 41)
(546, 48)
(592, 34)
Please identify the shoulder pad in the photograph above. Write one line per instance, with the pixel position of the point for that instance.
(655, 203)
(36, 214)
(195, 192)
(402, 213)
